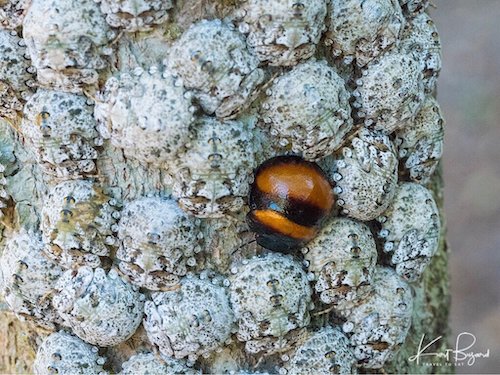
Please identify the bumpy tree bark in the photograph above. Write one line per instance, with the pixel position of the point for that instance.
(18, 340)
(26, 186)
(430, 317)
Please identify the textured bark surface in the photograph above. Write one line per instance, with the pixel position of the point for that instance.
(430, 318)
(16, 348)
(431, 308)
(18, 339)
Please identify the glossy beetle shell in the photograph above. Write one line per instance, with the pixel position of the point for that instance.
(289, 199)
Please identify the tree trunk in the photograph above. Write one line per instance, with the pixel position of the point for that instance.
(127, 179)
(430, 317)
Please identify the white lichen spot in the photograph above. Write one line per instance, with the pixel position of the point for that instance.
(326, 351)
(283, 32)
(343, 258)
(421, 143)
(213, 176)
(365, 174)
(100, 308)
(63, 353)
(67, 41)
(145, 113)
(214, 62)
(360, 30)
(421, 39)
(271, 298)
(27, 278)
(16, 75)
(390, 92)
(61, 131)
(157, 239)
(411, 230)
(77, 223)
(135, 15)
(308, 109)
(379, 326)
(192, 321)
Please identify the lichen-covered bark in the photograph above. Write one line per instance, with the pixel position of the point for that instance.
(431, 306)
(130, 179)
(430, 318)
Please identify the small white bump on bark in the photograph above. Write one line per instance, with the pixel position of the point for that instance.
(326, 351)
(360, 30)
(213, 176)
(61, 131)
(16, 75)
(391, 91)
(283, 32)
(215, 63)
(63, 353)
(421, 39)
(157, 241)
(77, 223)
(271, 298)
(380, 323)
(413, 228)
(421, 143)
(67, 42)
(189, 322)
(343, 258)
(101, 308)
(146, 114)
(365, 173)
(309, 110)
(28, 278)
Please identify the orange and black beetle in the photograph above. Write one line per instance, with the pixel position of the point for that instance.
(289, 199)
